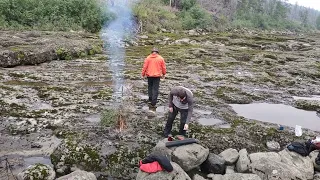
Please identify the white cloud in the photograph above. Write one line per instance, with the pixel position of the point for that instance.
(315, 4)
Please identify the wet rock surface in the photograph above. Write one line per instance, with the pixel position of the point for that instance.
(70, 100)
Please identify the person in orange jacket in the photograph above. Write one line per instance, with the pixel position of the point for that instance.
(154, 68)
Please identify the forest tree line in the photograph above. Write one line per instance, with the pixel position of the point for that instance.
(154, 15)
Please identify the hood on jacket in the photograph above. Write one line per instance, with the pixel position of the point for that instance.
(153, 55)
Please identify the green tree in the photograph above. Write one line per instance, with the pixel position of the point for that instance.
(280, 11)
(318, 22)
(304, 17)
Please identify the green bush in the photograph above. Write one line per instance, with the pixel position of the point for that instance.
(188, 4)
(88, 15)
(154, 15)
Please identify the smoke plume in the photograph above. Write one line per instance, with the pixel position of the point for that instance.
(113, 34)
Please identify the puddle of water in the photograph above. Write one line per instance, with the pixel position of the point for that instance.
(20, 163)
(202, 112)
(279, 114)
(316, 98)
(41, 105)
(225, 126)
(143, 97)
(33, 160)
(94, 118)
(210, 121)
(159, 109)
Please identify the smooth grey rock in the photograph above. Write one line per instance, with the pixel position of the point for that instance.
(269, 155)
(303, 164)
(316, 176)
(177, 174)
(273, 145)
(313, 155)
(161, 148)
(268, 169)
(190, 156)
(198, 177)
(214, 164)
(78, 175)
(243, 162)
(230, 155)
(234, 176)
(230, 170)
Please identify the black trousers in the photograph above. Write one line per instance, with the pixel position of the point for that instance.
(153, 89)
(171, 118)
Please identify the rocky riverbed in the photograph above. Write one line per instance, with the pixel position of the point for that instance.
(57, 109)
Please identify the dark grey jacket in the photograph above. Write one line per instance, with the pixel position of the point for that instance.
(185, 104)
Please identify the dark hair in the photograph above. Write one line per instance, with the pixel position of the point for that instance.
(155, 50)
(182, 94)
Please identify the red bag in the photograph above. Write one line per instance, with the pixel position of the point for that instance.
(150, 167)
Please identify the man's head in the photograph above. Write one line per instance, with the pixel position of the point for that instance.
(155, 50)
(182, 95)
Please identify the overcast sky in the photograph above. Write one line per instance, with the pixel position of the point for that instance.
(315, 4)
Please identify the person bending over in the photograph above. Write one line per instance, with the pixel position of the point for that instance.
(180, 100)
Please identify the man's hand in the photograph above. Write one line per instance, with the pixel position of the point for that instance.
(170, 109)
(163, 76)
(186, 127)
(142, 77)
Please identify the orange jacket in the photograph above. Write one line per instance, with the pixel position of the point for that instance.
(154, 66)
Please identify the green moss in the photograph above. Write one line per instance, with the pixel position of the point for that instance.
(310, 105)
(15, 49)
(63, 54)
(109, 117)
(98, 49)
(24, 83)
(16, 75)
(103, 94)
(7, 88)
(239, 121)
(91, 52)
(221, 91)
(21, 55)
(54, 159)
(83, 155)
(271, 131)
(271, 56)
(102, 58)
(38, 172)
(123, 162)
(82, 54)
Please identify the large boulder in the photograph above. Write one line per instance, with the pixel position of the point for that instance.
(243, 161)
(187, 156)
(313, 155)
(303, 164)
(214, 164)
(316, 176)
(37, 171)
(234, 176)
(78, 175)
(198, 177)
(230, 169)
(177, 174)
(273, 145)
(190, 156)
(267, 168)
(230, 155)
(161, 148)
(273, 156)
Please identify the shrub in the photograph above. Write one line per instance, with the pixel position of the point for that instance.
(154, 15)
(53, 14)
